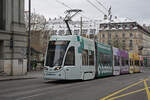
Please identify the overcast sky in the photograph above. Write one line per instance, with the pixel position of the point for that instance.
(137, 10)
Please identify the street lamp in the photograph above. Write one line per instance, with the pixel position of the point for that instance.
(29, 37)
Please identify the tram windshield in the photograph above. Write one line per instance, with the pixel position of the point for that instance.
(55, 53)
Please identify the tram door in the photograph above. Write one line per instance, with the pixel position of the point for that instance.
(71, 68)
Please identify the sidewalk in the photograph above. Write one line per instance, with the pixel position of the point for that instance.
(30, 75)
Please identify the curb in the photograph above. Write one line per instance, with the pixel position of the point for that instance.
(20, 78)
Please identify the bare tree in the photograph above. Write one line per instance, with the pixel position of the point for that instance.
(38, 22)
(39, 31)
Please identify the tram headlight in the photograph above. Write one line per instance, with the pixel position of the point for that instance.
(57, 68)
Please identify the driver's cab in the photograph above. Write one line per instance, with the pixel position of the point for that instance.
(60, 59)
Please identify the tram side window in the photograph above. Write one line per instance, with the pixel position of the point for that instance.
(108, 59)
(105, 59)
(116, 60)
(70, 57)
(91, 57)
(84, 57)
(127, 62)
(131, 63)
(137, 63)
(141, 63)
(123, 61)
(102, 59)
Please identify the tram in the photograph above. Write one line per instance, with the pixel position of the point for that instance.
(120, 62)
(137, 67)
(74, 57)
(131, 63)
(124, 57)
(116, 61)
(141, 63)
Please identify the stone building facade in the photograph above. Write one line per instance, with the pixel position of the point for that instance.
(12, 38)
(129, 36)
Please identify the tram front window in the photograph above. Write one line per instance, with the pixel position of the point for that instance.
(55, 53)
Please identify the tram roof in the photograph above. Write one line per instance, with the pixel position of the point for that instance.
(69, 38)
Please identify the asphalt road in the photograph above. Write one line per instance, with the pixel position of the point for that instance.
(124, 87)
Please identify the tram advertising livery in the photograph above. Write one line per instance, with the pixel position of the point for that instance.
(75, 57)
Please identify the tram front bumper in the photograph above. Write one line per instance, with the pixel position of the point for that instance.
(54, 75)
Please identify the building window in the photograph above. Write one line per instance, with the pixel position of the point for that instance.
(116, 35)
(61, 32)
(2, 26)
(109, 35)
(131, 45)
(123, 34)
(101, 26)
(92, 31)
(67, 32)
(123, 44)
(131, 34)
(84, 31)
(53, 32)
(76, 32)
(103, 35)
(99, 31)
(123, 47)
(105, 26)
(123, 41)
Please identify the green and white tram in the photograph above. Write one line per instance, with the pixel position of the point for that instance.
(104, 60)
(74, 57)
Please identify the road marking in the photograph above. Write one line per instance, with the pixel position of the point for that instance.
(132, 85)
(121, 90)
(147, 90)
(140, 90)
